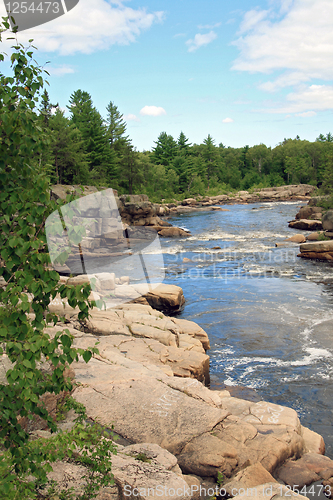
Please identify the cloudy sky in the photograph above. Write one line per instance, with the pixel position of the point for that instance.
(244, 71)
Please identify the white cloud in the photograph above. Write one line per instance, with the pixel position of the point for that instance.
(152, 111)
(227, 120)
(131, 117)
(300, 43)
(251, 19)
(199, 40)
(209, 26)
(307, 114)
(60, 70)
(307, 100)
(90, 26)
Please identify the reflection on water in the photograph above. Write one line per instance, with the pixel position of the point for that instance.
(268, 313)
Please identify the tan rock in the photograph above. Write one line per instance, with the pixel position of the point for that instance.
(173, 232)
(313, 442)
(314, 236)
(194, 330)
(293, 474)
(251, 476)
(317, 246)
(297, 238)
(307, 224)
(169, 298)
(207, 455)
(140, 405)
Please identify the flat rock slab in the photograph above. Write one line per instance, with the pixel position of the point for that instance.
(306, 224)
(142, 408)
(317, 246)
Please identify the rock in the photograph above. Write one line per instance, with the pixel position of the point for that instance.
(145, 479)
(207, 455)
(140, 405)
(295, 475)
(189, 201)
(313, 442)
(322, 250)
(139, 471)
(319, 246)
(306, 224)
(261, 432)
(167, 298)
(314, 236)
(185, 259)
(173, 232)
(297, 238)
(250, 477)
(309, 212)
(194, 330)
(328, 221)
(316, 463)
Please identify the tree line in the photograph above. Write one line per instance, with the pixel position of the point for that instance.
(85, 148)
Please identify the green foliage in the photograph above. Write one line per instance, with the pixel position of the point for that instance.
(84, 444)
(220, 478)
(142, 457)
(31, 284)
(66, 148)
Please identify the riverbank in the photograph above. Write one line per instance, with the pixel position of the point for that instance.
(149, 383)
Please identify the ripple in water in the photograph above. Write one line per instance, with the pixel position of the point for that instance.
(267, 312)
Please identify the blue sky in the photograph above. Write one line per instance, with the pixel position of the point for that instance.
(244, 72)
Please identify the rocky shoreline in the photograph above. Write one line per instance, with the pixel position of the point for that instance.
(177, 438)
(150, 383)
(318, 244)
(137, 210)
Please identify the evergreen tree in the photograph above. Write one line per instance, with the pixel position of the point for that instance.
(69, 161)
(211, 158)
(46, 108)
(130, 174)
(116, 126)
(183, 143)
(165, 150)
(102, 163)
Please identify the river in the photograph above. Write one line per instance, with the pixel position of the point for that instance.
(268, 313)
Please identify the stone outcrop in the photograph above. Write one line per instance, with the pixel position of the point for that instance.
(306, 224)
(166, 298)
(148, 383)
(132, 210)
(320, 250)
(297, 238)
(139, 471)
(309, 212)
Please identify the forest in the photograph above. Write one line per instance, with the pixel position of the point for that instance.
(86, 148)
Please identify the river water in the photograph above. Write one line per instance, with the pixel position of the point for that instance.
(268, 313)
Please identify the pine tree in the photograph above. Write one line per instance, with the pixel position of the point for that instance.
(165, 150)
(116, 126)
(102, 163)
(68, 159)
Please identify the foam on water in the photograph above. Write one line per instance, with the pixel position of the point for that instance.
(268, 313)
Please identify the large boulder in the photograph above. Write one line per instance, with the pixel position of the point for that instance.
(309, 212)
(173, 232)
(306, 224)
(167, 298)
(320, 250)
